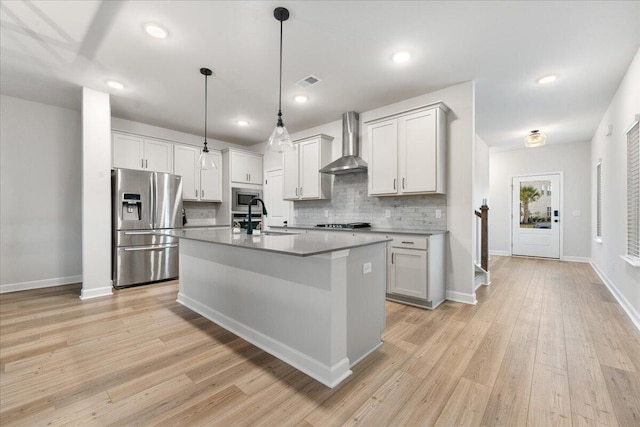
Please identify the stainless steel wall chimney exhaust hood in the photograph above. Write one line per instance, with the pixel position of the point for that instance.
(350, 162)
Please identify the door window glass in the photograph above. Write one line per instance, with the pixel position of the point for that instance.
(535, 204)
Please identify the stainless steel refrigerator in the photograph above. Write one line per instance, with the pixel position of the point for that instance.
(142, 203)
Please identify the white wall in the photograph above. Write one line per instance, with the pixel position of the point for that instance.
(481, 172)
(96, 194)
(622, 278)
(573, 161)
(461, 147)
(40, 197)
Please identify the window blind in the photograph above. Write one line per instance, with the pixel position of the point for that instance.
(633, 192)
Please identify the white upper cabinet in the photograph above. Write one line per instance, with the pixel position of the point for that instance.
(204, 185)
(407, 152)
(302, 181)
(134, 152)
(246, 168)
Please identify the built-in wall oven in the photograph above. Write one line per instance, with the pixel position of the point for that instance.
(240, 198)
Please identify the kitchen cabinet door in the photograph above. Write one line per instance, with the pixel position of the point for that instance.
(290, 174)
(383, 157)
(185, 166)
(127, 151)
(158, 156)
(407, 273)
(309, 162)
(246, 168)
(211, 181)
(417, 152)
(255, 169)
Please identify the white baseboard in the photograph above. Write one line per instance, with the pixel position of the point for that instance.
(462, 297)
(37, 284)
(576, 259)
(327, 375)
(622, 300)
(500, 253)
(96, 292)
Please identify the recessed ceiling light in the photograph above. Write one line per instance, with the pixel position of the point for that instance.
(242, 123)
(115, 84)
(156, 31)
(400, 57)
(300, 98)
(547, 79)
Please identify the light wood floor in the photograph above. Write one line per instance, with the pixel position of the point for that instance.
(546, 345)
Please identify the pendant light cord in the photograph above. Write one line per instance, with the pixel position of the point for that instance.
(280, 92)
(206, 150)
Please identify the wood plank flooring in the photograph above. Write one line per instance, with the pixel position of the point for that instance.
(547, 345)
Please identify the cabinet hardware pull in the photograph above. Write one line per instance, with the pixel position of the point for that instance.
(202, 193)
(196, 193)
(392, 254)
(142, 163)
(296, 191)
(300, 191)
(394, 183)
(408, 243)
(146, 164)
(403, 183)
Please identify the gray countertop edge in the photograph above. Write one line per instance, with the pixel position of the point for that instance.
(361, 230)
(283, 252)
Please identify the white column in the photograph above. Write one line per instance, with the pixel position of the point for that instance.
(96, 194)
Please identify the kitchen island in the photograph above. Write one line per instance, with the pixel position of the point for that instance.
(315, 301)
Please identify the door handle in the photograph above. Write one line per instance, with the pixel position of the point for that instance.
(149, 248)
(136, 233)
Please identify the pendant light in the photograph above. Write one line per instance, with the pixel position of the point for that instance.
(280, 140)
(535, 139)
(206, 160)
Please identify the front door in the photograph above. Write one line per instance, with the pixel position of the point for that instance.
(277, 208)
(536, 216)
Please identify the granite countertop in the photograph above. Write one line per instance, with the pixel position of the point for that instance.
(201, 226)
(362, 230)
(303, 244)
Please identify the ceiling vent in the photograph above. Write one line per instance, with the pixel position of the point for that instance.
(309, 81)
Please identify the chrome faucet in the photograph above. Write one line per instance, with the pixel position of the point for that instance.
(264, 212)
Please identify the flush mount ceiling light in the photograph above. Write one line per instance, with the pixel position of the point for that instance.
(535, 139)
(280, 140)
(206, 160)
(155, 31)
(401, 57)
(115, 84)
(300, 99)
(547, 79)
(242, 123)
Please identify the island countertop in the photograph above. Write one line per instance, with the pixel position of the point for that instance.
(361, 230)
(302, 244)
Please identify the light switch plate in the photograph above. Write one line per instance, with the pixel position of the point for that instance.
(438, 213)
(366, 268)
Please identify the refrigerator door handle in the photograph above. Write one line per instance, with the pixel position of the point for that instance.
(131, 233)
(149, 248)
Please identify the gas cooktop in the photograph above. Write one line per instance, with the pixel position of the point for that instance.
(349, 225)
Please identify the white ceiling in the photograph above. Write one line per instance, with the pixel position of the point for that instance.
(50, 49)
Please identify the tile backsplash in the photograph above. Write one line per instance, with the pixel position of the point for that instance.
(200, 213)
(350, 203)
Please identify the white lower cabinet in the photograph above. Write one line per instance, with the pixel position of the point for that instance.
(202, 185)
(415, 270)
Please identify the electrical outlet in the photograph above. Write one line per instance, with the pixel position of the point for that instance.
(326, 213)
(366, 268)
(438, 213)
(387, 213)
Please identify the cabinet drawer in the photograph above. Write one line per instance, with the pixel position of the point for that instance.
(409, 242)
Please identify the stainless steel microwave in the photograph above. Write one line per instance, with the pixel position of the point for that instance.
(240, 198)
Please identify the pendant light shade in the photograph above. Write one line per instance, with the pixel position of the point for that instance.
(535, 139)
(206, 160)
(280, 140)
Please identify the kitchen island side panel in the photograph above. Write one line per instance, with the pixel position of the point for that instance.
(295, 308)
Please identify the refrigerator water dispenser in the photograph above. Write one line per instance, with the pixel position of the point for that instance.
(131, 207)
